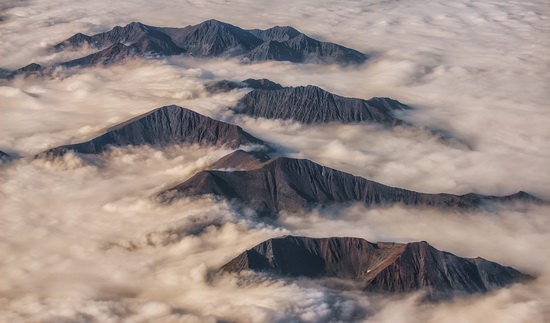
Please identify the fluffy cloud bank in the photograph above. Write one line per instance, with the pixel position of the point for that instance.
(85, 240)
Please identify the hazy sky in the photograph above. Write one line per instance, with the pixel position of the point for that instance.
(84, 239)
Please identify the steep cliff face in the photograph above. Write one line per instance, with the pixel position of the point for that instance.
(286, 184)
(311, 104)
(376, 267)
(162, 127)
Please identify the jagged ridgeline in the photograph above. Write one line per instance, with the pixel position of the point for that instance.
(308, 104)
(311, 104)
(270, 185)
(162, 127)
(381, 267)
(210, 38)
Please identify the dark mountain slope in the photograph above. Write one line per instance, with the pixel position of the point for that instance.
(113, 54)
(311, 104)
(162, 127)
(143, 38)
(210, 38)
(226, 85)
(376, 267)
(309, 49)
(213, 38)
(286, 184)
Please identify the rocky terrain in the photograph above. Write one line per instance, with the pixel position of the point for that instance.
(382, 267)
(162, 127)
(211, 38)
(311, 104)
(227, 85)
(269, 186)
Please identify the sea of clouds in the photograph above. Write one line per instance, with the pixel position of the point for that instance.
(85, 240)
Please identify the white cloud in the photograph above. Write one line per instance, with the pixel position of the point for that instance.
(85, 240)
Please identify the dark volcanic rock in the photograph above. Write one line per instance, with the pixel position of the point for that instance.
(77, 40)
(32, 67)
(226, 85)
(141, 37)
(29, 70)
(211, 38)
(162, 127)
(4, 156)
(376, 267)
(263, 84)
(308, 49)
(286, 184)
(274, 51)
(110, 55)
(311, 104)
(242, 160)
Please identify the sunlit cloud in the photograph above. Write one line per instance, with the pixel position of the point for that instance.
(86, 239)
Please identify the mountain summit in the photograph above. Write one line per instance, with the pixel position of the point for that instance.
(162, 127)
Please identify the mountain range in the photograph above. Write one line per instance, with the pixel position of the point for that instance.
(211, 38)
(164, 126)
(381, 267)
(270, 185)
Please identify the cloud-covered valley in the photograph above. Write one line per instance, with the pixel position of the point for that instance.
(85, 239)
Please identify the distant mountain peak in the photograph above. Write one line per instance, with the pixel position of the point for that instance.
(215, 38)
(227, 85)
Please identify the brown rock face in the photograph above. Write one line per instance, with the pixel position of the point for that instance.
(270, 186)
(376, 267)
(162, 127)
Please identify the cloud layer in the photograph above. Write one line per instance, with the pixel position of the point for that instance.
(85, 239)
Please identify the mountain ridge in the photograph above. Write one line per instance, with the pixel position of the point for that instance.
(210, 38)
(382, 267)
(286, 184)
(162, 127)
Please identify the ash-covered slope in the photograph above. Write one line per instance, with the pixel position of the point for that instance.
(162, 127)
(286, 184)
(376, 267)
(227, 85)
(311, 104)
